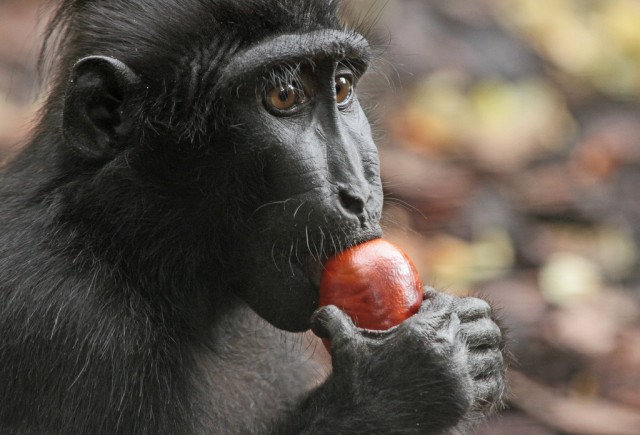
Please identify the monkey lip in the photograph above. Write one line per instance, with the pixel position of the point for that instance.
(314, 268)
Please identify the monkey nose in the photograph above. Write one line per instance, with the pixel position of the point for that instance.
(352, 200)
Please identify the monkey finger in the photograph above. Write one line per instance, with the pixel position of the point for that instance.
(485, 365)
(436, 302)
(332, 323)
(470, 309)
(481, 334)
(489, 394)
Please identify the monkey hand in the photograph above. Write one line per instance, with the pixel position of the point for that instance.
(441, 368)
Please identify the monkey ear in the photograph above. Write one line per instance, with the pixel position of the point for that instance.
(98, 117)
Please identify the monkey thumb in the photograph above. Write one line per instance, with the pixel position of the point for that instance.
(332, 323)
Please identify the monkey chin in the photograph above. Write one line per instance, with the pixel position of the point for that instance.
(292, 303)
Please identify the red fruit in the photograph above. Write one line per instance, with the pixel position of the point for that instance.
(375, 283)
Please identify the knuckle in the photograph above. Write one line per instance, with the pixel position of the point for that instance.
(488, 327)
(477, 307)
(473, 309)
(485, 366)
(437, 303)
(495, 330)
(429, 323)
(481, 334)
(488, 394)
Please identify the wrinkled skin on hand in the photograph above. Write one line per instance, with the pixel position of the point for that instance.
(442, 365)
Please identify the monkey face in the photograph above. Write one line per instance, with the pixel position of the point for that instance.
(315, 169)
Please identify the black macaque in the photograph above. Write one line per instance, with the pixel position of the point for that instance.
(161, 233)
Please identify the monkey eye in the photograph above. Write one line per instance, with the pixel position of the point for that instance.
(344, 90)
(284, 98)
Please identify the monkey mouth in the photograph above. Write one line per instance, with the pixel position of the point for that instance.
(314, 269)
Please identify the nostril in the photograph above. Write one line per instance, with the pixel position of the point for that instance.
(351, 202)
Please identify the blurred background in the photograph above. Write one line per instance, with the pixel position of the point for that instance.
(509, 135)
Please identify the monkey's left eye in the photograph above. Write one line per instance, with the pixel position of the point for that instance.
(344, 91)
(284, 98)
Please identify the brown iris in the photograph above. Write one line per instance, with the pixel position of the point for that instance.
(283, 97)
(344, 90)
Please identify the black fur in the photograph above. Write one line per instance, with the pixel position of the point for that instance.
(159, 207)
